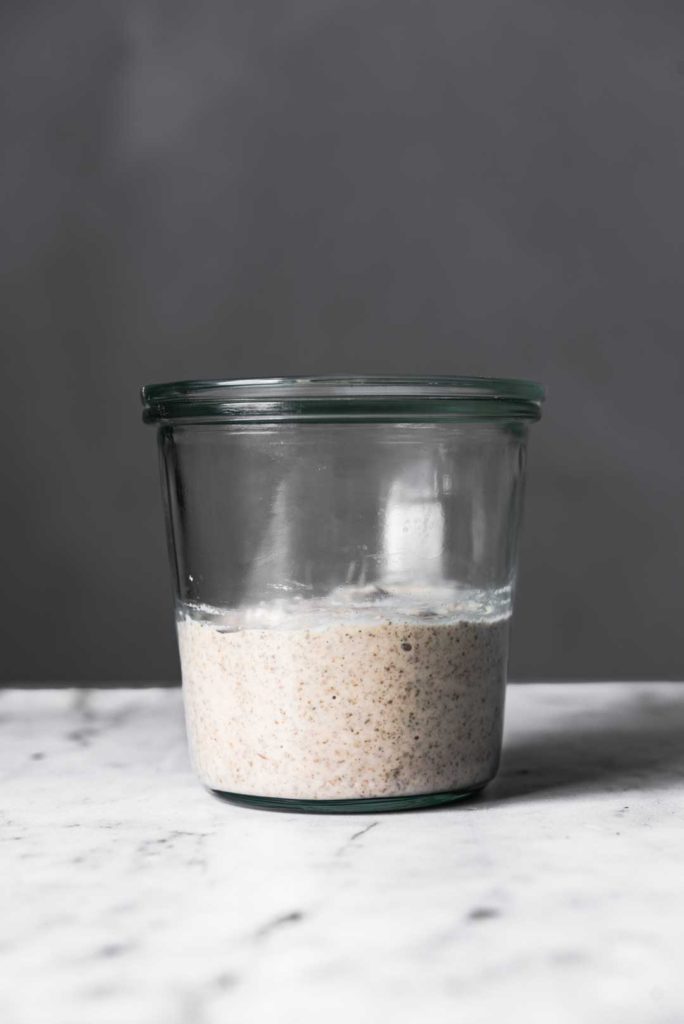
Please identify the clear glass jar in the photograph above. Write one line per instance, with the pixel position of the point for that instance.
(344, 558)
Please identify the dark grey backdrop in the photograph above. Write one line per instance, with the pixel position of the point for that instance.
(260, 187)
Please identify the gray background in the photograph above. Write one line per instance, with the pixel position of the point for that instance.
(245, 188)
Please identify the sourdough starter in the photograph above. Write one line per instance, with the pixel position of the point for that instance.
(345, 698)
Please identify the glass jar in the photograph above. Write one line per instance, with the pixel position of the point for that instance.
(344, 558)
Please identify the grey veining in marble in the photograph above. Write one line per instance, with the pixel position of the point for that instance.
(130, 896)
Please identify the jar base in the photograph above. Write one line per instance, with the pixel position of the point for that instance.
(364, 805)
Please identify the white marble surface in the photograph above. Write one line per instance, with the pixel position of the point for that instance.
(131, 896)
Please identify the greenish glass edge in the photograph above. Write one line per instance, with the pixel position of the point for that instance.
(343, 410)
(366, 805)
(487, 387)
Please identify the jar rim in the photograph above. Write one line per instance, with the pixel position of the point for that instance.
(390, 398)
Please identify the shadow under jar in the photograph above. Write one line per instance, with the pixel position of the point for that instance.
(344, 557)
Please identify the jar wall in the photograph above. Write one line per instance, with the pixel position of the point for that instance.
(258, 512)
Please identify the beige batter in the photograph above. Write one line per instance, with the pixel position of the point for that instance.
(345, 710)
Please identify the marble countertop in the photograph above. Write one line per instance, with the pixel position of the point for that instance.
(131, 896)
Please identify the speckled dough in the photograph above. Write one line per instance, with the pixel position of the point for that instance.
(345, 712)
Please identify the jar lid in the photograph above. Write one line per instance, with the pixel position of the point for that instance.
(388, 399)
